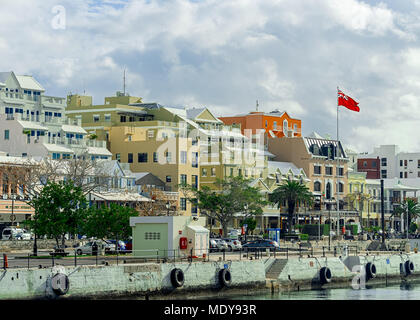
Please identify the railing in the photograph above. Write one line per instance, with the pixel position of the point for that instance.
(76, 256)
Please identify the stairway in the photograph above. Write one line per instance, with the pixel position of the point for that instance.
(276, 268)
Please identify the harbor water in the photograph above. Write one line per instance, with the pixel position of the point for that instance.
(404, 291)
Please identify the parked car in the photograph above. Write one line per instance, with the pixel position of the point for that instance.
(221, 244)
(261, 245)
(10, 233)
(121, 244)
(24, 235)
(87, 248)
(233, 244)
(234, 234)
(128, 246)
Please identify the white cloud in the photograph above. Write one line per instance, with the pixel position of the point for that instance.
(288, 54)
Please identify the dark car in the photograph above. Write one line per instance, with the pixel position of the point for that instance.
(128, 246)
(258, 245)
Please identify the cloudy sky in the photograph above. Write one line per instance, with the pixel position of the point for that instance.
(226, 54)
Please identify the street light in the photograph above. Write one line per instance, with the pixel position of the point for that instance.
(12, 216)
(246, 208)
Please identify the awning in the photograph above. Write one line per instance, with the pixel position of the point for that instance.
(31, 125)
(198, 229)
(73, 129)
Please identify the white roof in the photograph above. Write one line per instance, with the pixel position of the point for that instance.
(31, 125)
(73, 129)
(198, 229)
(57, 148)
(120, 196)
(99, 151)
(315, 135)
(28, 82)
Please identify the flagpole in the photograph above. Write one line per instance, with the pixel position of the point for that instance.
(336, 172)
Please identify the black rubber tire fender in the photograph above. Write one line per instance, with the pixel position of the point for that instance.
(225, 277)
(408, 267)
(370, 270)
(325, 275)
(177, 277)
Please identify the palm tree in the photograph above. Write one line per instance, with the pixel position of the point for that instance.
(411, 206)
(292, 192)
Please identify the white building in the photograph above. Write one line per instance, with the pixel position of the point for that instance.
(396, 164)
(33, 124)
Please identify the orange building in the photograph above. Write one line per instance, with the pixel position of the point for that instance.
(275, 123)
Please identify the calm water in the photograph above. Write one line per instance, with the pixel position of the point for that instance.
(394, 292)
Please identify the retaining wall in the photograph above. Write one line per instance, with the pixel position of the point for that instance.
(123, 280)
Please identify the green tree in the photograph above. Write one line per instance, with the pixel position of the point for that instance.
(251, 224)
(232, 195)
(411, 206)
(59, 209)
(111, 222)
(291, 192)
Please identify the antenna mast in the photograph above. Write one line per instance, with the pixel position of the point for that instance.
(257, 105)
(124, 83)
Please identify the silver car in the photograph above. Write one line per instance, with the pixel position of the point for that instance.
(87, 248)
(233, 244)
(221, 244)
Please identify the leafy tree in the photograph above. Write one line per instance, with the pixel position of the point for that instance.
(111, 222)
(291, 192)
(251, 224)
(411, 206)
(232, 195)
(59, 209)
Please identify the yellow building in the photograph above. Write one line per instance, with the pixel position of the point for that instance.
(364, 197)
(177, 145)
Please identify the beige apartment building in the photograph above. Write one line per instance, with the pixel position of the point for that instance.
(177, 145)
(325, 163)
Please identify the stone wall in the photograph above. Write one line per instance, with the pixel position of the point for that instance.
(42, 244)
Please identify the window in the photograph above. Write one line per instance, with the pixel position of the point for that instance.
(204, 172)
(130, 158)
(194, 181)
(328, 171)
(383, 174)
(195, 159)
(231, 172)
(365, 164)
(107, 117)
(152, 236)
(383, 162)
(317, 169)
(285, 125)
(340, 187)
(418, 174)
(123, 119)
(405, 174)
(118, 157)
(168, 156)
(401, 174)
(266, 123)
(240, 172)
(405, 163)
(155, 157)
(213, 172)
(183, 157)
(6, 134)
(183, 179)
(374, 164)
(183, 204)
(340, 172)
(150, 134)
(96, 118)
(401, 163)
(168, 179)
(275, 125)
(194, 209)
(142, 157)
(317, 186)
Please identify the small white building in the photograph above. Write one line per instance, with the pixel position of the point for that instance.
(169, 236)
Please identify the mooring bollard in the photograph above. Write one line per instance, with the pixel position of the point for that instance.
(5, 262)
(323, 251)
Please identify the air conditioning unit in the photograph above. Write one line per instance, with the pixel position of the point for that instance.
(5, 196)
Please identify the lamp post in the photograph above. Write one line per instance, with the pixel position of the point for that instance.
(246, 208)
(12, 216)
(168, 205)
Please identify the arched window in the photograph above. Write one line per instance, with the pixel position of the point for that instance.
(317, 186)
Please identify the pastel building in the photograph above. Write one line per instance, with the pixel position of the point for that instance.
(34, 124)
(276, 124)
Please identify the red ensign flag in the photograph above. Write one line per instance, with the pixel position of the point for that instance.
(346, 101)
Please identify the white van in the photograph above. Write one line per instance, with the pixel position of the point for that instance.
(10, 233)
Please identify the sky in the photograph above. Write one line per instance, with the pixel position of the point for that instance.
(289, 55)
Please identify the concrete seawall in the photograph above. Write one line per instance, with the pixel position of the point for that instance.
(153, 280)
(124, 280)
